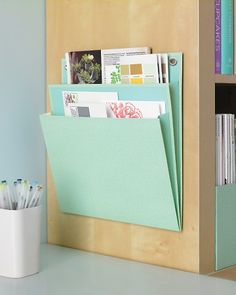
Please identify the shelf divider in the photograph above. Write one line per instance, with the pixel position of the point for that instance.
(227, 79)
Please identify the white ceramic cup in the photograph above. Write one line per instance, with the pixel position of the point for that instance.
(19, 242)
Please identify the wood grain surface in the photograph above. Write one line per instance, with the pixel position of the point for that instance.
(165, 26)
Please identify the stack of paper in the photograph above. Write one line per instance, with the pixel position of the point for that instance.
(225, 149)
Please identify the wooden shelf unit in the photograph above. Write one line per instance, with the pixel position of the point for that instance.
(225, 79)
(165, 26)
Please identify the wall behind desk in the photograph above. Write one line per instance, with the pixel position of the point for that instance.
(22, 92)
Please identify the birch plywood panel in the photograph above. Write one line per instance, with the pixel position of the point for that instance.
(165, 26)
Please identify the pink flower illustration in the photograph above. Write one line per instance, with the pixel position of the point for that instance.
(125, 110)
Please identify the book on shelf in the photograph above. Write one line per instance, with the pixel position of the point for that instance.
(98, 66)
(232, 146)
(218, 36)
(219, 151)
(234, 40)
(235, 144)
(225, 149)
(224, 37)
(227, 36)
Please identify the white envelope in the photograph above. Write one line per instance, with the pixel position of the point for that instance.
(78, 96)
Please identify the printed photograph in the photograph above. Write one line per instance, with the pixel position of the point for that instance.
(85, 67)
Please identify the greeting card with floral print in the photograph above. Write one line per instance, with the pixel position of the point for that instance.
(136, 109)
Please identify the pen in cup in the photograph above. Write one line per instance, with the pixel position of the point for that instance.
(20, 195)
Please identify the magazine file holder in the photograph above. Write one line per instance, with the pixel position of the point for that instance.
(171, 122)
(225, 226)
(111, 169)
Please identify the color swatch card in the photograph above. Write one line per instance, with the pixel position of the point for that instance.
(87, 110)
(72, 97)
(111, 62)
(136, 109)
(140, 69)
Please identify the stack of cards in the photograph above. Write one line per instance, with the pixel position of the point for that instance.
(87, 104)
(97, 66)
(106, 105)
(144, 69)
(116, 66)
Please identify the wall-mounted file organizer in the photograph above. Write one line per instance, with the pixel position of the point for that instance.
(225, 226)
(128, 170)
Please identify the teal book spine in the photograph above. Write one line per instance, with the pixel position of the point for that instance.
(227, 35)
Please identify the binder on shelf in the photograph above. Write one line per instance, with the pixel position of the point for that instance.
(92, 179)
